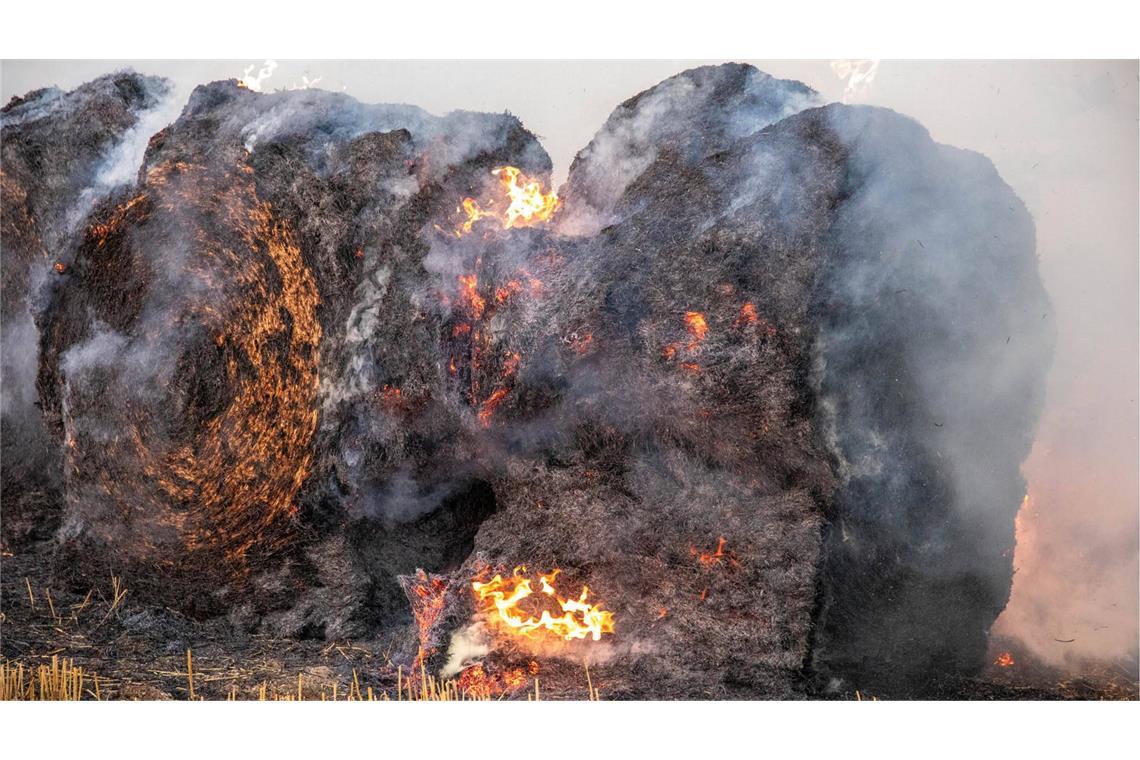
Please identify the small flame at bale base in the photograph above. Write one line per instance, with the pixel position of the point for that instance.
(501, 599)
(477, 681)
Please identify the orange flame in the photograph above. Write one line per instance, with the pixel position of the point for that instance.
(526, 203)
(529, 205)
(1004, 660)
(474, 213)
(469, 292)
(579, 619)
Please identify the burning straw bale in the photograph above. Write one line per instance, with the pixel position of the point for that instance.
(213, 361)
(327, 364)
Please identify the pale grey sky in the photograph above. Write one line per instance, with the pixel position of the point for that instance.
(1063, 134)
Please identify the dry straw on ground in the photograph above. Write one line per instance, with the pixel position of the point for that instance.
(60, 681)
(63, 680)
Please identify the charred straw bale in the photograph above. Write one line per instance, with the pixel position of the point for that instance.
(57, 151)
(203, 358)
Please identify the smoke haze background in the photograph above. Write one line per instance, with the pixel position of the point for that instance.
(1062, 134)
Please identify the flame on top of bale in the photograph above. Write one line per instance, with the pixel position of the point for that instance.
(523, 203)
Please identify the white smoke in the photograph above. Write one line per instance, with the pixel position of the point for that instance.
(467, 646)
(859, 75)
(122, 163)
(306, 83)
(254, 81)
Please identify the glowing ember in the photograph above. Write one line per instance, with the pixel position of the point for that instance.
(526, 203)
(389, 395)
(747, 315)
(697, 326)
(469, 292)
(511, 364)
(501, 598)
(709, 559)
(1004, 660)
(426, 593)
(476, 681)
(582, 343)
(488, 407)
(503, 294)
(60, 267)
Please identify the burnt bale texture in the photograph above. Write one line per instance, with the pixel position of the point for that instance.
(763, 383)
(56, 150)
(216, 359)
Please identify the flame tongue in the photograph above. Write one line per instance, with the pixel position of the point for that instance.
(579, 619)
(529, 205)
(522, 196)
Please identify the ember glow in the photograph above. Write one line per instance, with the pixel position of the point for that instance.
(697, 326)
(476, 680)
(747, 315)
(427, 598)
(501, 598)
(488, 407)
(469, 290)
(715, 557)
(1004, 660)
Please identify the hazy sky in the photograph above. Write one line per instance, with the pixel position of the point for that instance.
(1062, 134)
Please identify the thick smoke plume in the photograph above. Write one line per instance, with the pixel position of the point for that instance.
(1064, 136)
